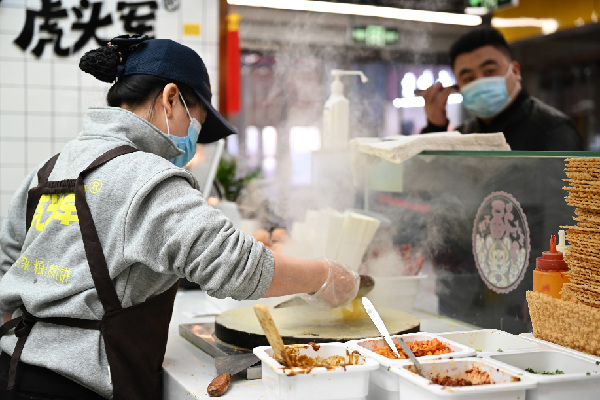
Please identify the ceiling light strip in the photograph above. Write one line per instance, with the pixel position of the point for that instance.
(364, 10)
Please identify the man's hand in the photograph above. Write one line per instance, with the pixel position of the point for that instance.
(436, 97)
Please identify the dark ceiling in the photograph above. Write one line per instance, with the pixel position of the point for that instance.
(566, 47)
(455, 6)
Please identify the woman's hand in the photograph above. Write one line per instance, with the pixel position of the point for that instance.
(339, 289)
(330, 283)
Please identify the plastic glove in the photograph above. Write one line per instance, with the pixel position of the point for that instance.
(339, 289)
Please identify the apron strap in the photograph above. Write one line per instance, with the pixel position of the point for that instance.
(35, 193)
(44, 172)
(22, 326)
(8, 325)
(93, 324)
(91, 242)
(14, 360)
(109, 155)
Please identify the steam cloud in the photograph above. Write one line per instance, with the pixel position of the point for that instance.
(300, 87)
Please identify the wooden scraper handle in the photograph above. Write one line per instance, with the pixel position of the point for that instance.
(268, 325)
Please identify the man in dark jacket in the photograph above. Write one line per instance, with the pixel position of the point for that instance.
(490, 83)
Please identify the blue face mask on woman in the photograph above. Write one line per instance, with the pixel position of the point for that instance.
(185, 143)
(487, 97)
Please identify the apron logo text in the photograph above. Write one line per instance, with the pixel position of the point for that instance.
(61, 206)
(46, 269)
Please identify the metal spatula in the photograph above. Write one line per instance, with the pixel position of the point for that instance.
(412, 357)
(232, 364)
(376, 318)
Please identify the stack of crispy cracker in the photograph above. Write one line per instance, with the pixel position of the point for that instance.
(574, 320)
(583, 258)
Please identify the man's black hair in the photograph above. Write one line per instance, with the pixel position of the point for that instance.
(477, 38)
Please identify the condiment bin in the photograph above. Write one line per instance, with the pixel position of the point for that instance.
(491, 341)
(383, 384)
(508, 384)
(348, 382)
(580, 377)
(546, 345)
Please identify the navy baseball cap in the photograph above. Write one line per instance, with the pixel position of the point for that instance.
(168, 59)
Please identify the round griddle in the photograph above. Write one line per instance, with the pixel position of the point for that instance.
(240, 327)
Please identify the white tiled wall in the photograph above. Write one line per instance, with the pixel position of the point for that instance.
(42, 101)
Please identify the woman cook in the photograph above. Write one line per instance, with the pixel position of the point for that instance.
(98, 236)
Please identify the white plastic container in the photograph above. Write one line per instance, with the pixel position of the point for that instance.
(580, 380)
(345, 382)
(396, 292)
(491, 341)
(508, 384)
(383, 383)
(553, 346)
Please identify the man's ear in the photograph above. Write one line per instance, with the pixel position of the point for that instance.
(169, 95)
(517, 70)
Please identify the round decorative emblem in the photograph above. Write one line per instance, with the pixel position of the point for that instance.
(501, 243)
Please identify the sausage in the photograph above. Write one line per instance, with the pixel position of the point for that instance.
(219, 385)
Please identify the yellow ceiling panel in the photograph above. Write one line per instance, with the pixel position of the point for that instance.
(540, 17)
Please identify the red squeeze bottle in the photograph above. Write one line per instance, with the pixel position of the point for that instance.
(550, 271)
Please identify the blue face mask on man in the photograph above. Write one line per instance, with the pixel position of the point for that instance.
(487, 97)
(185, 143)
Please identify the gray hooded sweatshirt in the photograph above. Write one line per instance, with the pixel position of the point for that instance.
(154, 227)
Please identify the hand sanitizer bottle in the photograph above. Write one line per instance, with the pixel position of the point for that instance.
(336, 113)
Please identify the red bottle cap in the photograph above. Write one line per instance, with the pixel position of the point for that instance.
(551, 260)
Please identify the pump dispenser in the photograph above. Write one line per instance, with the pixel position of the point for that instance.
(336, 113)
(550, 271)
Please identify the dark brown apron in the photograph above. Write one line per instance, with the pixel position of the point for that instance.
(135, 337)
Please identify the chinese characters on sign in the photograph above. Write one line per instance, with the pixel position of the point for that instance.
(85, 19)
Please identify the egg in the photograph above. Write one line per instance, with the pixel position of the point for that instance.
(262, 236)
(279, 235)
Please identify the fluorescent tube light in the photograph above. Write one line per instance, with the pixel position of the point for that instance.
(365, 10)
(547, 25)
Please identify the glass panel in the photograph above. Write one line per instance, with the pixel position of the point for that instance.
(481, 219)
